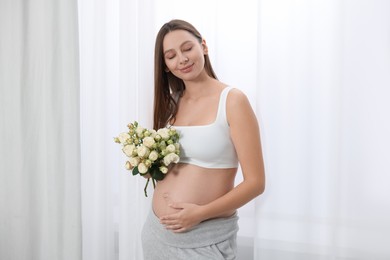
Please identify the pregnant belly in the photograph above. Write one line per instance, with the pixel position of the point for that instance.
(192, 184)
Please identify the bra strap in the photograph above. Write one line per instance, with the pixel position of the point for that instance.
(221, 116)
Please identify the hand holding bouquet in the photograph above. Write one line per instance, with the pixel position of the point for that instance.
(149, 152)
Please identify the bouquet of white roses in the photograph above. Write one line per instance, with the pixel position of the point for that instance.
(149, 152)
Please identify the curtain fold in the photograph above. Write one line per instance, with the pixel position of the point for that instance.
(40, 143)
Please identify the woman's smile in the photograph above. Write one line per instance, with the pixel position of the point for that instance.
(187, 69)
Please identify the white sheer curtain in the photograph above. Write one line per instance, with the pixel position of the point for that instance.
(40, 211)
(116, 55)
(324, 87)
(317, 75)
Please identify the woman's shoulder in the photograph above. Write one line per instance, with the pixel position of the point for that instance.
(236, 97)
(238, 106)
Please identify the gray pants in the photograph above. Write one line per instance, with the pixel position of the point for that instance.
(210, 240)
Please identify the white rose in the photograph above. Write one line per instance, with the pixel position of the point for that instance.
(148, 141)
(172, 131)
(171, 157)
(164, 133)
(143, 151)
(153, 133)
(134, 161)
(142, 168)
(163, 169)
(171, 148)
(123, 137)
(128, 149)
(153, 156)
(177, 146)
(128, 166)
(139, 130)
(148, 163)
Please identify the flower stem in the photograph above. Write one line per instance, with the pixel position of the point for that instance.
(146, 186)
(154, 183)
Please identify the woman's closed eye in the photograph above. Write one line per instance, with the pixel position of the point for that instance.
(170, 57)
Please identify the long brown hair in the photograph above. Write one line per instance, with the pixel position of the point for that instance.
(167, 87)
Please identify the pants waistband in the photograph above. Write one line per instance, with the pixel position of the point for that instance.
(206, 233)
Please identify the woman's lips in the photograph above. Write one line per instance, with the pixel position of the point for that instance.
(187, 68)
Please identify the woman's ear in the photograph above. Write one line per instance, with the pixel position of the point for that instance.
(166, 70)
(205, 48)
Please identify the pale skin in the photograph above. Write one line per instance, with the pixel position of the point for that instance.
(191, 194)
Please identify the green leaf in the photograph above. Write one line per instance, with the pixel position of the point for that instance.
(135, 170)
(157, 174)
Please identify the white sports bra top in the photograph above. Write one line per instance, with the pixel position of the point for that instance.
(209, 146)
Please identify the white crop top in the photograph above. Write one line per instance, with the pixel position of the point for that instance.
(209, 146)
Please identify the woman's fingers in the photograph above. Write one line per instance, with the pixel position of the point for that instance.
(173, 227)
(169, 222)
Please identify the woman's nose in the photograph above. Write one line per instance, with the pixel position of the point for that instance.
(183, 59)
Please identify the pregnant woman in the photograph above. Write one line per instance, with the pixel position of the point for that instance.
(194, 208)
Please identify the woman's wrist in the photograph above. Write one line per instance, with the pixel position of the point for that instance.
(203, 212)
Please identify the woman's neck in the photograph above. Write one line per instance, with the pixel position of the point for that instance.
(199, 88)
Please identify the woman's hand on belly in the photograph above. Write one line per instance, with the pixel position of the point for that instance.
(179, 200)
(188, 215)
